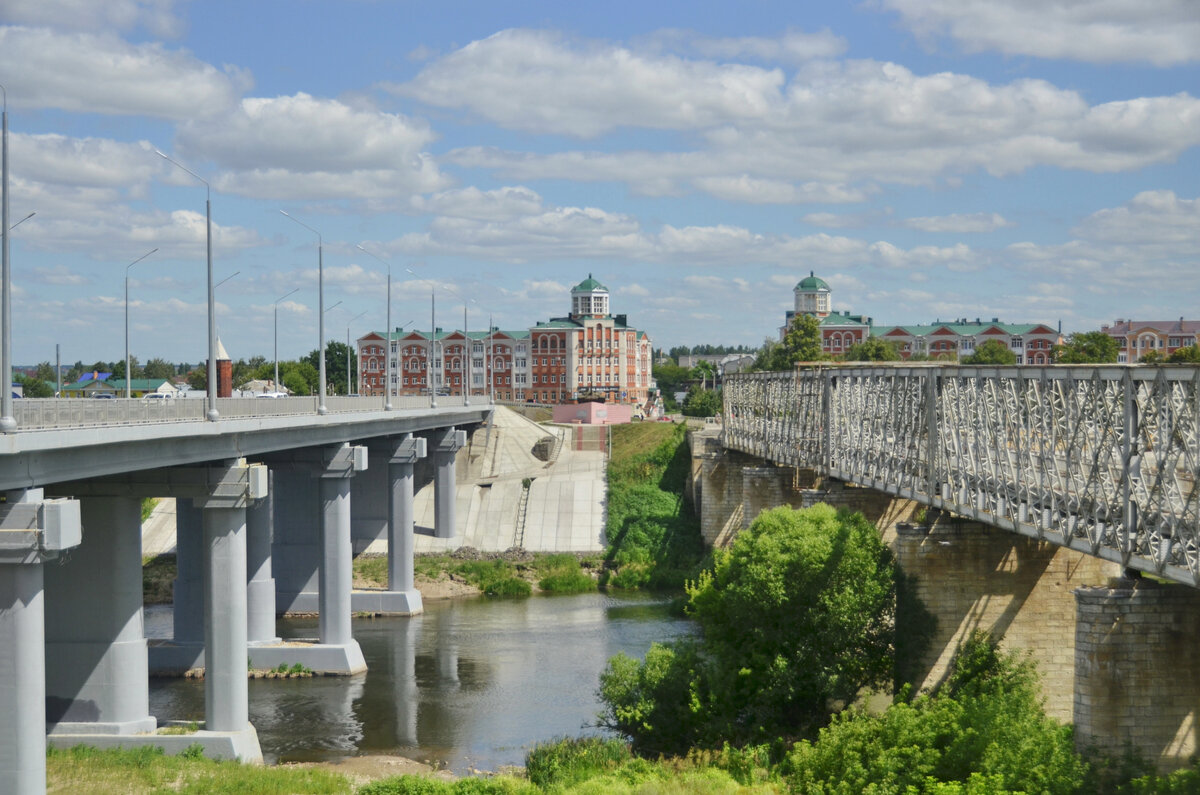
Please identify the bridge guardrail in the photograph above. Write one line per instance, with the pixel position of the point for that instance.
(1100, 458)
(34, 414)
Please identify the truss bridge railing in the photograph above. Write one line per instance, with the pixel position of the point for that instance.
(1102, 459)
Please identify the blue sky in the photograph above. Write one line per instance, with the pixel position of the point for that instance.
(1031, 160)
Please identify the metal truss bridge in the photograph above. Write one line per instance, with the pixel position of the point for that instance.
(1100, 459)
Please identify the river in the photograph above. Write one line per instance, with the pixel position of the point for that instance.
(470, 684)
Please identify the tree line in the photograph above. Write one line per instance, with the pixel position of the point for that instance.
(299, 376)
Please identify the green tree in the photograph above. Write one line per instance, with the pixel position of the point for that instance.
(335, 366)
(32, 387)
(873, 349)
(991, 352)
(702, 402)
(159, 368)
(705, 372)
(1152, 357)
(1086, 347)
(198, 378)
(802, 343)
(118, 368)
(796, 616)
(45, 372)
(1188, 355)
(670, 378)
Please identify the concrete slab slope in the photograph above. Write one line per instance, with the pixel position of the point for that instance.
(563, 510)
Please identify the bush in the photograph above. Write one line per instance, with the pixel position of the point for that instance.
(563, 574)
(797, 616)
(984, 728)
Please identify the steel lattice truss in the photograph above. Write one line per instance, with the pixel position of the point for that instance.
(1100, 459)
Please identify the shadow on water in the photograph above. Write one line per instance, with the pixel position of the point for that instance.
(469, 684)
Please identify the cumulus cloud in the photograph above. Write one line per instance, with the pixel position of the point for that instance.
(305, 147)
(958, 223)
(100, 73)
(156, 16)
(1160, 32)
(1125, 251)
(537, 81)
(833, 132)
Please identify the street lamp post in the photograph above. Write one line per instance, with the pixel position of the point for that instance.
(8, 423)
(128, 374)
(348, 322)
(213, 414)
(321, 409)
(285, 295)
(387, 335)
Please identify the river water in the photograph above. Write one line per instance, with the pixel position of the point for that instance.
(469, 684)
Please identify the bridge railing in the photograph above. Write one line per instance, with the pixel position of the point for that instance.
(49, 413)
(1103, 459)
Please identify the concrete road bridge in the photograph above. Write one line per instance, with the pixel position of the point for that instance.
(1054, 507)
(264, 526)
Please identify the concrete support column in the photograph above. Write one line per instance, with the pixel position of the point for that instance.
(226, 695)
(260, 586)
(336, 574)
(22, 678)
(446, 444)
(96, 672)
(189, 573)
(405, 454)
(1137, 670)
(29, 535)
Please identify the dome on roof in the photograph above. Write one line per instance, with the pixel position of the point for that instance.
(588, 285)
(812, 282)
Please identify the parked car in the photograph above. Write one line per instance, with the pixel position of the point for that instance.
(270, 395)
(103, 395)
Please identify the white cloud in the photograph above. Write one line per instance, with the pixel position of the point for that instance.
(156, 16)
(58, 275)
(303, 147)
(1126, 251)
(100, 73)
(535, 81)
(1161, 32)
(471, 202)
(958, 223)
(831, 134)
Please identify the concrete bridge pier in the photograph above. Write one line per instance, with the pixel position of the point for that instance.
(401, 596)
(445, 445)
(96, 671)
(32, 531)
(185, 650)
(260, 585)
(102, 684)
(317, 535)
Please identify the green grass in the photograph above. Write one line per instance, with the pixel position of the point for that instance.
(653, 537)
(149, 770)
(148, 504)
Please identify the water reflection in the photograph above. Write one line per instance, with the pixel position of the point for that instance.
(470, 683)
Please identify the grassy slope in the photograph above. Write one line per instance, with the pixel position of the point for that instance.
(653, 536)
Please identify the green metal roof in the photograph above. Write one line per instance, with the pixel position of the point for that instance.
(961, 329)
(812, 282)
(588, 285)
